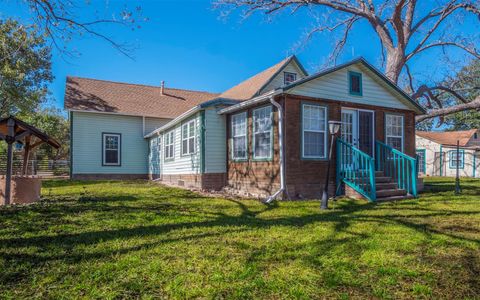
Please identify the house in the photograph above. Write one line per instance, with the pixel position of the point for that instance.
(266, 136)
(437, 153)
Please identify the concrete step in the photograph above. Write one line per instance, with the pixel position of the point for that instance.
(386, 186)
(394, 198)
(382, 179)
(391, 192)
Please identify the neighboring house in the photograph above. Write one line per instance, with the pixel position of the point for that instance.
(233, 139)
(437, 153)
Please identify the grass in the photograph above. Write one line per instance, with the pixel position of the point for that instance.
(140, 240)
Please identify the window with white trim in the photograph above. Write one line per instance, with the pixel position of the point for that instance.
(169, 145)
(188, 138)
(111, 149)
(314, 131)
(289, 77)
(262, 133)
(394, 131)
(239, 135)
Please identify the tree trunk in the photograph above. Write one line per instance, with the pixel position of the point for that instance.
(395, 64)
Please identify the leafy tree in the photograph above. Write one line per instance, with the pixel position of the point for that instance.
(25, 68)
(406, 30)
(55, 124)
(467, 83)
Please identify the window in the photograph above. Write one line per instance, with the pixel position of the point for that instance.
(188, 138)
(421, 162)
(262, 133)
(314, 132)
(475, 135)
(111, 143)
(289, 77)
(239, 136)
(169, 145)
(394, 131)
(355, 83)
(453, 159)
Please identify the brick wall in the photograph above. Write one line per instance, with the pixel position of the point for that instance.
(259, 178)
(304, 178)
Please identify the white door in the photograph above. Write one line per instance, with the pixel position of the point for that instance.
(349, 126)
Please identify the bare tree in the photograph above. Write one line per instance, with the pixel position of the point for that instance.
(404, 29)
(59, 19)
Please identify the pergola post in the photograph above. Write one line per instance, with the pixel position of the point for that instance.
(26, 149)
(10, 139)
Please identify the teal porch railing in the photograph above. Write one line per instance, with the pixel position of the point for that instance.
(397, 165)
(356, 169)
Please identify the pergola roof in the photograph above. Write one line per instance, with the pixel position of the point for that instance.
(23, 130)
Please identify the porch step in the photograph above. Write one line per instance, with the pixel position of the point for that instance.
(379, 174)
(382, 179)
(386, 186)
(394, 198)
(390, 193)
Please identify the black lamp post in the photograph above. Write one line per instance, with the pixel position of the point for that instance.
(333, 128)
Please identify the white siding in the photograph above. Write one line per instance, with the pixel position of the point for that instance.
(432, 158)
(277, 81)
(187, 164)
(335, 86)
(215, 142)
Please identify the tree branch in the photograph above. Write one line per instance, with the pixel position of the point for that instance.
(475, 104)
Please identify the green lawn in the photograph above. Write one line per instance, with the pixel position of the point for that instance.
(141, 240)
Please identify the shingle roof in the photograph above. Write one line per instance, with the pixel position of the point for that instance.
(252, 86)
(106, 96)
(448, 137)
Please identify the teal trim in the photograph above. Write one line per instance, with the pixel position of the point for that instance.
(325, 146)
(202, 141)
(399, 166)
(244, 159)
(71, 145)
(474, 164)
(441, 160)
(424, 167)
(451, 158)
(385, 126)
(356, 169)
(355, 74)
(270, 157)
(369, 66)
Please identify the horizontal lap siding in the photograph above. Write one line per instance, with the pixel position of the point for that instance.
(335, 86)
(154, 123)
(189, 164)
(87, 143)
(215, 142)
(278, 80)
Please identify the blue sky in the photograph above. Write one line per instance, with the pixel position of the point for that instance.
(189, 46)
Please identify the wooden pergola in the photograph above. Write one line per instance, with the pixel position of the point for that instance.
(13, 130)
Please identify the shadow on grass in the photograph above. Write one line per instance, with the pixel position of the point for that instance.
(217, 224)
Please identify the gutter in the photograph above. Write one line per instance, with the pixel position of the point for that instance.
(281, 152)
(251, 102)
(191, 111)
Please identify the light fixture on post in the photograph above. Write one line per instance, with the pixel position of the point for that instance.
(333, 128)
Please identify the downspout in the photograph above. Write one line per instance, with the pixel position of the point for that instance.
(280, 142)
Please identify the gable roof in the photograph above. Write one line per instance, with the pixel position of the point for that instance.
(85, 94)
(448, 137)
(252, 86)
(377, 72)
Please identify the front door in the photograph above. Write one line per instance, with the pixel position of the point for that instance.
(358, 129)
